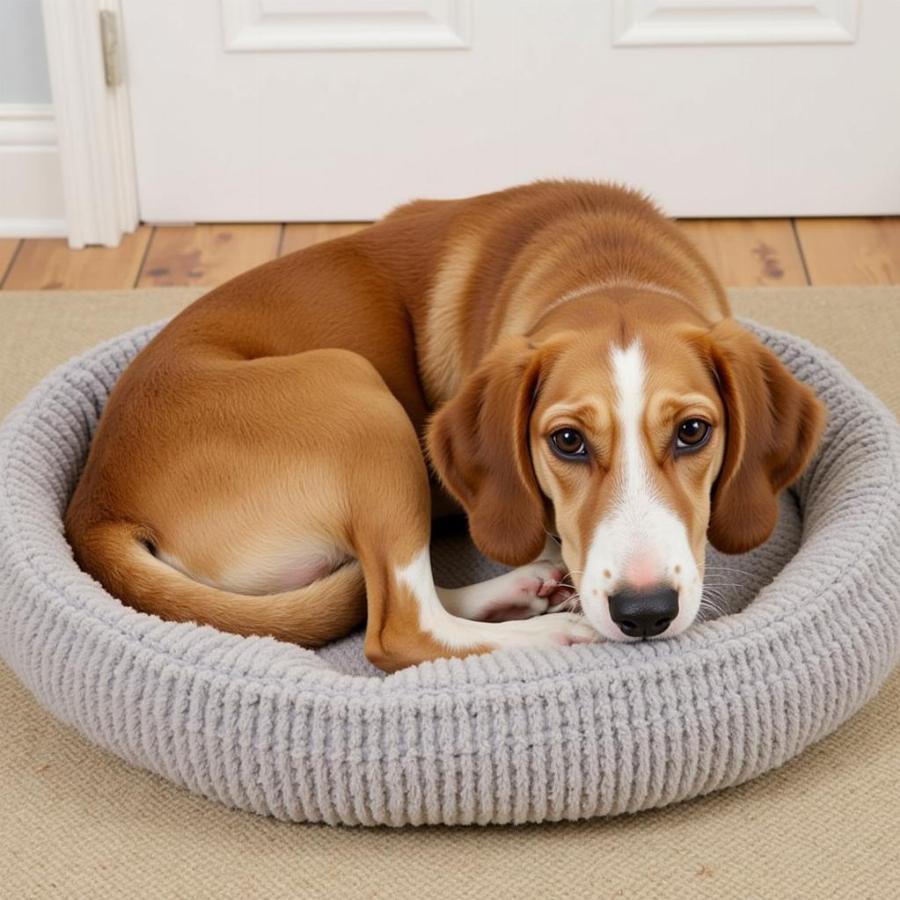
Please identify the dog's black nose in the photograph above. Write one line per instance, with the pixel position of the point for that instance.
(644, 613)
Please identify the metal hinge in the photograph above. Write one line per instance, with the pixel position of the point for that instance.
(109, 40)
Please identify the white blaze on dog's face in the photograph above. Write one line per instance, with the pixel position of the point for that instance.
(627, 448)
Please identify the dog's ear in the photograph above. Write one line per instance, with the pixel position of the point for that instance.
(478, 444)
(773, 425)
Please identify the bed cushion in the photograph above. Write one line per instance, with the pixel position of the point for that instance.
(797, 636)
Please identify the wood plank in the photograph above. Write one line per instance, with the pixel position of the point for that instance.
(744, 252)
(8, 247)
(851, 251)
(299, 235)
(206, 254)
(44, 264)
(749, 252)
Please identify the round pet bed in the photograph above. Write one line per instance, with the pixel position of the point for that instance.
(801, 633)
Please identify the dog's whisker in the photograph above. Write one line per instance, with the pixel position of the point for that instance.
(569, 604)
(716, 608)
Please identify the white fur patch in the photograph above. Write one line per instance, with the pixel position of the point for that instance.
(628, 372)
(461, 634)
(639, 533)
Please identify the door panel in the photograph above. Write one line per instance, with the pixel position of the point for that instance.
(313, 110)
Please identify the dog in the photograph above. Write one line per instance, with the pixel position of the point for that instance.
(560, 354)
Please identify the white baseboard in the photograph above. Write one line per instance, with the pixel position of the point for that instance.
(31, 190)
(32, 228)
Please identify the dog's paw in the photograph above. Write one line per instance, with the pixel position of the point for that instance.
(519, 594)
(561, 629)
(526, 592)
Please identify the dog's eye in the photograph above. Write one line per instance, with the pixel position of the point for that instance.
(692, 434)
(568, 443)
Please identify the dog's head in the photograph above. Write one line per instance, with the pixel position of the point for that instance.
(634, 447)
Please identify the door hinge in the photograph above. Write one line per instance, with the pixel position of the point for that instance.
(109, 40)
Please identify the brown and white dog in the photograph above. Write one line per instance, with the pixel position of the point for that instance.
(569, 360)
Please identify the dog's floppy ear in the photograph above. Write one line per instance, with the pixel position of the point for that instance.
(478, 444)
(773, 423)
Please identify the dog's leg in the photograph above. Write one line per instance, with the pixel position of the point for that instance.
(518, 594)
(541, 586)
(390, 526)
(413, 625)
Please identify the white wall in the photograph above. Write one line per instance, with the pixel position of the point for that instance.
(23, 59)
(31, 196)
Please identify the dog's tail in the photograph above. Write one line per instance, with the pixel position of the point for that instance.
(121, 556)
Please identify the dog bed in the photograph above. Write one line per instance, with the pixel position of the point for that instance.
(799, 634)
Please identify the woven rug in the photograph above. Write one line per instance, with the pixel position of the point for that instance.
(76, 822)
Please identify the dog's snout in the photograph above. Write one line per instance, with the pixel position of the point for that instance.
(644, 613)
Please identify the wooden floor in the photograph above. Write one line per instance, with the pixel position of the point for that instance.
(745, 252)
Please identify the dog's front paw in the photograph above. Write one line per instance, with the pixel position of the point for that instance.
(519, 594)
(561, 629)
(526, 592)
(556, 587)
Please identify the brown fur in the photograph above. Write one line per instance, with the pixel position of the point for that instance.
(285, 411)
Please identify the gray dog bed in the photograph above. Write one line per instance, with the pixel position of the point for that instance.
(799, 634)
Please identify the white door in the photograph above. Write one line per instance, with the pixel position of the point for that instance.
(340, 109)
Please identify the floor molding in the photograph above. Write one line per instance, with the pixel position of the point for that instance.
(31, 191)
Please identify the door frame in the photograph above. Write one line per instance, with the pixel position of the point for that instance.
(93, 119)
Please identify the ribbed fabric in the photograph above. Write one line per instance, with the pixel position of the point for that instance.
(510, 737)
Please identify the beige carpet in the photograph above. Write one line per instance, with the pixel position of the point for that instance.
(76, 822)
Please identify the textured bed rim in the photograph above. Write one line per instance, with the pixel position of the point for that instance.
(523, 736)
